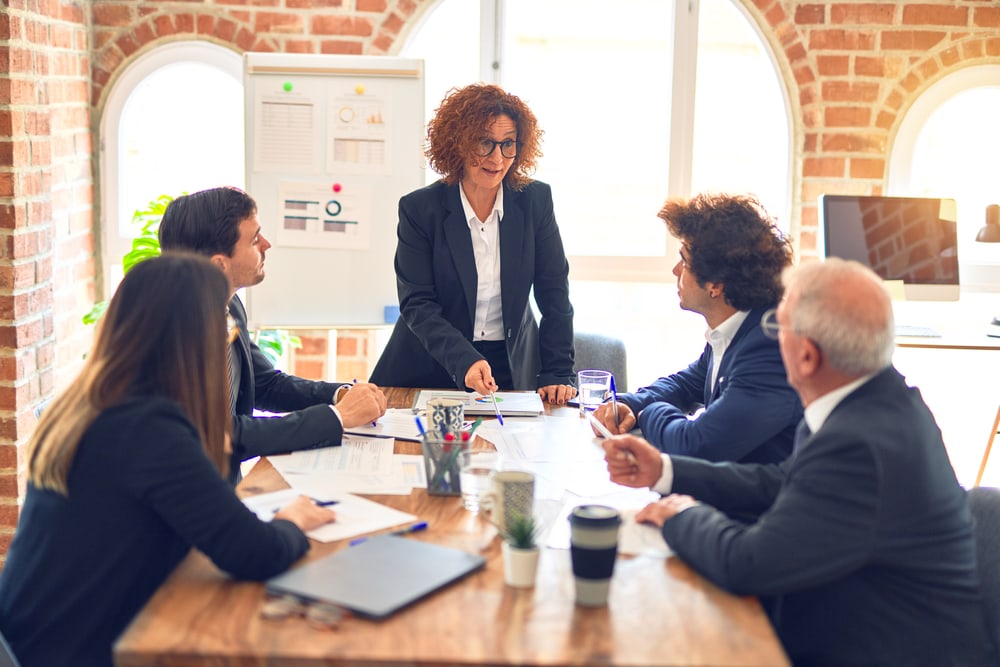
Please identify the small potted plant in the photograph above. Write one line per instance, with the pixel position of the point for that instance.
(520, 551)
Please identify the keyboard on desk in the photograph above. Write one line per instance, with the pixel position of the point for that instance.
(916, 331)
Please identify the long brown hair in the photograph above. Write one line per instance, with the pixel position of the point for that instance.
(163, 334)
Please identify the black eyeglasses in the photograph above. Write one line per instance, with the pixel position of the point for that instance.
(508, 147)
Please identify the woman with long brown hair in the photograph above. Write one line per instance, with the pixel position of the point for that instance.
(125, 474)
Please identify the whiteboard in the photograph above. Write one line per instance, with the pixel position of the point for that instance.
(332, 143)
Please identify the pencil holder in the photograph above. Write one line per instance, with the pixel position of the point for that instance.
(445, 415)
(442, 461)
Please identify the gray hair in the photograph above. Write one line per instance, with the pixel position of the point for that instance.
(845, 309)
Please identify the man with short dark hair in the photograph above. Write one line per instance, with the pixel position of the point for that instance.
(729, 272)
(222, 224)
(860, 544)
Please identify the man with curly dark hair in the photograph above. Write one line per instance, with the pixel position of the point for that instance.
(731, 260)
(472, 248)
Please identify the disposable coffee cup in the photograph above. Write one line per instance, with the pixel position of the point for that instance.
(593, 550)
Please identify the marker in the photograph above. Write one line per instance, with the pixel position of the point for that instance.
(420, 525)
(496, 408)
(374, 421)
(420, 427)
(614, 401)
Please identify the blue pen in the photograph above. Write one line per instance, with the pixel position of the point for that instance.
(614, 401)
(496, 408)
(420, 427)
(420, 525)
(317, 503)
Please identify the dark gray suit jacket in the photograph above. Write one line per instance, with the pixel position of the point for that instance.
(436, 277)
(309, 423)
(861, 547)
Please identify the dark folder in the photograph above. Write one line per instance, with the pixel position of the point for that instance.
(378, 576)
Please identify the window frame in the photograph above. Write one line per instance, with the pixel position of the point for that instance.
(113, 243)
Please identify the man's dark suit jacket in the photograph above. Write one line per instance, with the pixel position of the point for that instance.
(436, 278)
(750, 414)
(310, 422)
(862, 549)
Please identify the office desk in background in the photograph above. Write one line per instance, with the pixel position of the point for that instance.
(964, 328)
(660, 612)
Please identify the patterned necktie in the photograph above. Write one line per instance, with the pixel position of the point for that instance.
(233, 365)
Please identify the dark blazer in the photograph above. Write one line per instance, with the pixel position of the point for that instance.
(436, 278)
(750, 415)
(862, 548)
(141, 494)
(309, 423)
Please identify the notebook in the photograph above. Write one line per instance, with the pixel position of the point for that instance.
(379, 576)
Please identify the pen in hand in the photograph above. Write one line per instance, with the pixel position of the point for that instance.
(496, 408)
(374, 421)
(614, 401)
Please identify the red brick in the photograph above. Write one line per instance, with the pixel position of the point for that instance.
(881, 13)
(370, 5)
(841, 40)
(339, 25)
(310, 369)
(935, 15)
(867, 168)
(810, 14)
(986, 17)
(843, 91)
(911, 40)
(829, 167)
(833, 65)
(869, 66)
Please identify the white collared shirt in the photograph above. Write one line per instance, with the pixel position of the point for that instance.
(720, 337)
(488, 324)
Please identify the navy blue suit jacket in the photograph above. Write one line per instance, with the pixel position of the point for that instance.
(862, 546)
(750, 414)
(309, 423)
(436, 277)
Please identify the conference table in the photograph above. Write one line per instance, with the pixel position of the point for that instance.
(659, 611)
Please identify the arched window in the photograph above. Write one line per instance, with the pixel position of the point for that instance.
(947, 146)
(639, 101)
(173, 123)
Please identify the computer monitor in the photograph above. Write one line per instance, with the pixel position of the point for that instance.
(913, 240)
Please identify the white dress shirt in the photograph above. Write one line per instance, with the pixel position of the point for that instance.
(488, 324)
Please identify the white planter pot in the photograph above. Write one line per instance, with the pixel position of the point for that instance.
(519, 566)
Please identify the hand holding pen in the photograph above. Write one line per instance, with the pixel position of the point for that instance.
(363, 404)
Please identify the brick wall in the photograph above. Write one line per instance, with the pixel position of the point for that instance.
(46, 219)
(851, 70)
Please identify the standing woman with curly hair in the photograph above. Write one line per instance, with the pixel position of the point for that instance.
(471, 249)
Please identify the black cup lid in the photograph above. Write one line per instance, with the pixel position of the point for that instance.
(594, 516)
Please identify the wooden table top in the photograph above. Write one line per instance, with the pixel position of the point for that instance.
(660, 612)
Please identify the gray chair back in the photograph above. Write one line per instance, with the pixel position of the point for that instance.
(984, 503)
(602, 352)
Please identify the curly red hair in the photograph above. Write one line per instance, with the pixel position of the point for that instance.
(461, 122)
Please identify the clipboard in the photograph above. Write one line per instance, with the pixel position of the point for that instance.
(379, 576)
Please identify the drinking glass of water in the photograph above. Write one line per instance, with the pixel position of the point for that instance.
(476, 470)
(594, 386)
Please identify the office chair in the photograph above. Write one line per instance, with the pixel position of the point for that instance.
(984, 503)
(603, 353)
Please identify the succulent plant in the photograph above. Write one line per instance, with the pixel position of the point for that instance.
(521, 531)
